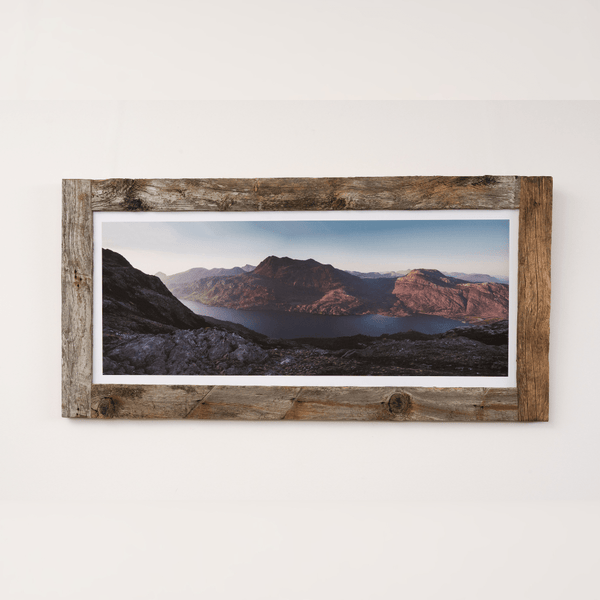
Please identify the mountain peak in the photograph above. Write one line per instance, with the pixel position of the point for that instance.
(272, 266)
(307, 273)
(270, 260)
(114, 259)
(429, 273)
(431, 276)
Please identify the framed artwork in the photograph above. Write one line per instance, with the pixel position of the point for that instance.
(373, 299)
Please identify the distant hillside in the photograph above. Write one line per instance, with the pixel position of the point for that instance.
(477, 277)
(470, 277)
(378, 275)
(198, 273)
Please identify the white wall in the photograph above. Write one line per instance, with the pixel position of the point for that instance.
(180, 510)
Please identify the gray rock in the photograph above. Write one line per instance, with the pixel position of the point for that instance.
(249, 353)
(219, 349)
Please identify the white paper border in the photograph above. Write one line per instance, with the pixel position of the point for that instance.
(323, 380)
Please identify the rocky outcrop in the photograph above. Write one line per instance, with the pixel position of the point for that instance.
(134, 302)
(428, 291)
(197, 352)
(472, 351)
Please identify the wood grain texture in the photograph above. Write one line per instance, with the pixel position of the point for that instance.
(145, 401)
(405, 404)
(304, 404)
(77, 247)
(532, 195)
(533, 322)
(246, 403)
(352, 193)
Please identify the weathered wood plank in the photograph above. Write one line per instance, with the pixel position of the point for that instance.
(246, 403)
(76, 298)
(455, 404)
(405, 404)
(145, 401)
(352, 193)
(304, 404)
(342, 404)
(533, 322)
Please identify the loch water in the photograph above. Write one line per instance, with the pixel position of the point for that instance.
(289, 325)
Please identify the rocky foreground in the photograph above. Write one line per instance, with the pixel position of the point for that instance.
(480, 350)
(147, 331)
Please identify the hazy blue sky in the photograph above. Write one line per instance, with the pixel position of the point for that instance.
(470, 246)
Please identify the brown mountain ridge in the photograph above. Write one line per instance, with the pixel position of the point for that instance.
(286, 284)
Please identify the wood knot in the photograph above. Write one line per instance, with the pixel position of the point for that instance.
(108, 408)
(134, 204)
(131, 202)
(486, 180)
(338, 203)
(401, 404)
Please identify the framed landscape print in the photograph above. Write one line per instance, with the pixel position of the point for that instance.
(390, 299)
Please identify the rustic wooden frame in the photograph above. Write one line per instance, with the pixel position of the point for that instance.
(527, 402)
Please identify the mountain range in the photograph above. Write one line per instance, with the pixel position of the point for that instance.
(286, 284)
(378, 275)
(470, 277)
(200, 273)
(148, 331)
(477, 277)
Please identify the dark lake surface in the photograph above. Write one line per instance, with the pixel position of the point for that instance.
(289, 325)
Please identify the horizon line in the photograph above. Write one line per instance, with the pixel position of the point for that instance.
(506, 277)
